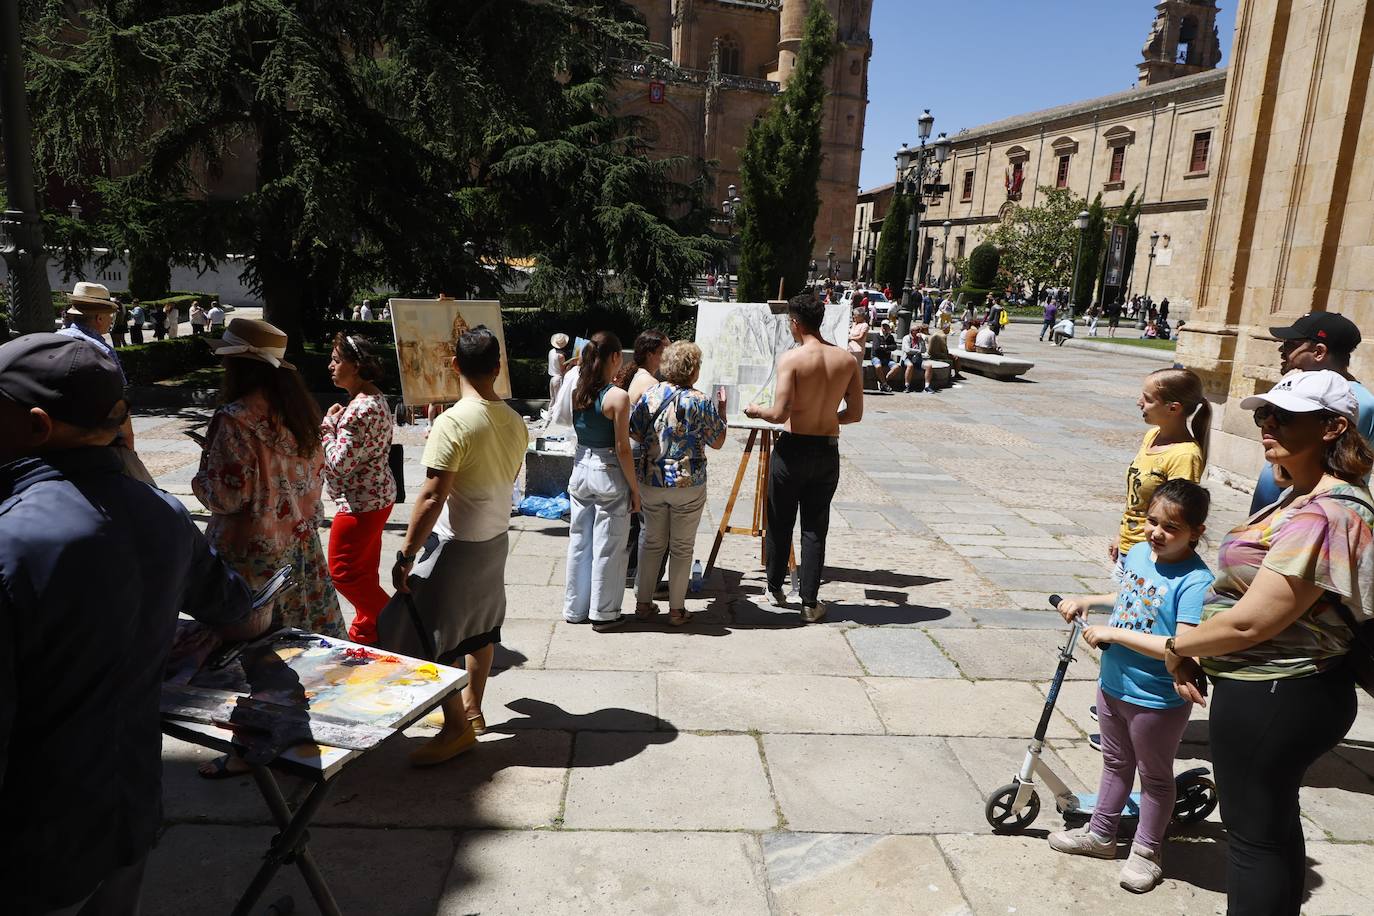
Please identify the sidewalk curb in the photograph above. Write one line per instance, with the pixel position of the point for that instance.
(1159, 356)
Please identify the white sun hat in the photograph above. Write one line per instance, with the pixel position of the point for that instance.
(1304, 392)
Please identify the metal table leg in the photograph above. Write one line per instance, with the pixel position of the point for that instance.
(289, 846)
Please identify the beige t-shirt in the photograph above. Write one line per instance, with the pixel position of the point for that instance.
(483, 443)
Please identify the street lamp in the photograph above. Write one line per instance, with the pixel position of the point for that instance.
(730, 207)
(944, 253)
(914, 169)
(470, 250)
(1154, 240)
(1081, 223)
(830, 263)
(74, 209)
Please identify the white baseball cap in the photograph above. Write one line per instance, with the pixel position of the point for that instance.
(1304, 392)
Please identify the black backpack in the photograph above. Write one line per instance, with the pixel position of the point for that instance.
(1361, 655)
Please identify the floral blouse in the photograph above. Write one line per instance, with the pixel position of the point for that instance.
(675, 443)
(357, 444)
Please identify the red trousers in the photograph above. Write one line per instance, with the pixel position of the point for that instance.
(355, 555)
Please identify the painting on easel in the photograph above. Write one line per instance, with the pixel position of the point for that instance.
(425, 330)
(741, 343)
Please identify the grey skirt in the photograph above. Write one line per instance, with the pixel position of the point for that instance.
(459, 597)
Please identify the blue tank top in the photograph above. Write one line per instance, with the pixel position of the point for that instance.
(594, 428)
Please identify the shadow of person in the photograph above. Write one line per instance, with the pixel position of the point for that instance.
(883, 578)
(1199, 854)
(876, 615)
(504, 658)
(633, 730)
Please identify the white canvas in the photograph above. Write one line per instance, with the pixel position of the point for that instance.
(741, 343)
(425, 330)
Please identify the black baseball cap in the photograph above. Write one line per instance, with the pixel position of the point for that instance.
(72, 380)
(1336, 331)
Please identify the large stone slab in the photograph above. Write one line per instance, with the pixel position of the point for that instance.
(767, 703)
(621, 782)
(1023, 876)
(870, 784)
(605, 874)
(524, 643)
(1339, 798)
(858, 874)
(1346, 882)
(958, 707)
(900, 653)
(572, 701)
(1015, 655)
(513, 780)
(704, 647)
(205, 869)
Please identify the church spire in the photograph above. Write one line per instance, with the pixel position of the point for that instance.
(1183, 41)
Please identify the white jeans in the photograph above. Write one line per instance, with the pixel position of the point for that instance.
(597, 535)
(671, 516)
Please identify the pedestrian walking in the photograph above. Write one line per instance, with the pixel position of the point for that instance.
(365, 312)
(198, 319)
(356, 438)
(119, 330)
(675, 423)
(1141, 716)
(1113, 317)
(453, 558)
(1277, 632)
(603, 489)
(159, 317)
(1172, 403)
(1051, 311)
(1093, 312)
(805, 467)
(137, 317)
(216, 317)
(94, 569)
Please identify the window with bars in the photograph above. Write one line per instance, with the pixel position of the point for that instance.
(729, 56)
(1061, 178)
(1118, 163)
(967, 193)
(1202, 148)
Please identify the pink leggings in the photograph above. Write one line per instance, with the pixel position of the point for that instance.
(1137, 738)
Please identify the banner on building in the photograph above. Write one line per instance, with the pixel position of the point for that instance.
(1116, 255)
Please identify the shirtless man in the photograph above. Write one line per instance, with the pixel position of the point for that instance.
(812, 381)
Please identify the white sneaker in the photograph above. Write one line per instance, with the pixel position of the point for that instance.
(1142, 870)
(1083, 842)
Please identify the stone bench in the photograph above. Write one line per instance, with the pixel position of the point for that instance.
(993, 366)
(940, 377)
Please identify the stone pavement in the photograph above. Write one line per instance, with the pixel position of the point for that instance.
(748, 764)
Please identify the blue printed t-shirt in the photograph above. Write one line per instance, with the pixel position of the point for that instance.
(677, 442)
(1155, 598)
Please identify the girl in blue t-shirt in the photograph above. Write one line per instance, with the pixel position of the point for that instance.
(1141, 716)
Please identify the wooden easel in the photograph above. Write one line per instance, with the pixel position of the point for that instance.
(766, 438)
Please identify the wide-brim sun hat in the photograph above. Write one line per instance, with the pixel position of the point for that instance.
(252, 338)
(558, 341)
(1306, 392)
(90, 299)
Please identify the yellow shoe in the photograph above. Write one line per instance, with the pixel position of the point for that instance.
(439, 750)
(479, 724)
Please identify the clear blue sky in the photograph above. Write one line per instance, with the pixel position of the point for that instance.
(975, 61)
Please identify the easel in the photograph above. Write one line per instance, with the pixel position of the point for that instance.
(765, 436)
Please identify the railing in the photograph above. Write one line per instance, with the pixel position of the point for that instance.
(671, 73)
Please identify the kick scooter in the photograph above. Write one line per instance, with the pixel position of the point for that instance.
(1015, 806)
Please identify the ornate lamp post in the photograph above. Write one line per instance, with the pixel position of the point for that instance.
(830, 263)
(1081, 222)
(21, 228)
(470, 250)
(730, 206)
(1149, 267)
(944, 254)
(914, 168)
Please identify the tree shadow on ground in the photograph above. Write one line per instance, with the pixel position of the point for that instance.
(882, 578)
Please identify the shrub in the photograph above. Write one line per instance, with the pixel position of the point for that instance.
(983, 264)
(147, 363)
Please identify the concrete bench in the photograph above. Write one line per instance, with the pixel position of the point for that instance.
(940, 377)
(994, 366)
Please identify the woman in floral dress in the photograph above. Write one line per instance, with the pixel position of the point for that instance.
(261, 475)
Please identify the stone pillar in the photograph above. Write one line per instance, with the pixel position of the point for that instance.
(1291, 220)
(791, 25)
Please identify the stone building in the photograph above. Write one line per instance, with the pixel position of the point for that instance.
(1291, 226)
(723, 62)
(1156, 139)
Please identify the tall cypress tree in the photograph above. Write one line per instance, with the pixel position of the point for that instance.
(780, 168)
(1091, 253)
(890, 265)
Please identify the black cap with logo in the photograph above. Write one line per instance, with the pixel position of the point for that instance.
(72, 380)
(1336, 331)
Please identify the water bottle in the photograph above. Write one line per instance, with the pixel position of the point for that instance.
(515, 498)
(697, 573)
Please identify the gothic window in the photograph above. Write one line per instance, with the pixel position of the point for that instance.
(1118, 163)
(1061, 178)
(730, 56)
(1202, 148)
(967, 193)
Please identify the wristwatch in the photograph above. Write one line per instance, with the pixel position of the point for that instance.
(404, 560)
(1169, 646)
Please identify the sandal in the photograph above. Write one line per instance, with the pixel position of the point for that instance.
(479, 723)
(220, 768)
(645, 609)
(678, 617)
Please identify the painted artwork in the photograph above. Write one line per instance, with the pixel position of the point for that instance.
(425, 330)
(741, 343)
(332, 677)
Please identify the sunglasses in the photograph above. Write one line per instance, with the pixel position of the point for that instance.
(1285, 417)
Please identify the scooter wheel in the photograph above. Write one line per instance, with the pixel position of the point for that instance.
(1002, 817)
(1197, 798)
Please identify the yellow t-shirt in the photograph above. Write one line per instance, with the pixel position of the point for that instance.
(1146, 473)
(483, 443)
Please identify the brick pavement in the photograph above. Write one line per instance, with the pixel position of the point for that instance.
(748, 764)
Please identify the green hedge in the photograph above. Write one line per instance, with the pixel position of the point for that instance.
(147, 363)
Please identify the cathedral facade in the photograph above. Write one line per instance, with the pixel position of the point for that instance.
(722, 64)
(1156, 139)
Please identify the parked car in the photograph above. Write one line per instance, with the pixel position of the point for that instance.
(875, 298)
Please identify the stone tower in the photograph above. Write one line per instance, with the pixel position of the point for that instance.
(1182, 41)
(843, 129)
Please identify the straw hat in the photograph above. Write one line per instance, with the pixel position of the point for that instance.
(90, 299)
(558, 341)
(252, 338)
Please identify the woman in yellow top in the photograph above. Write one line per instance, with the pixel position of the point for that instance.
(1171, 401)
